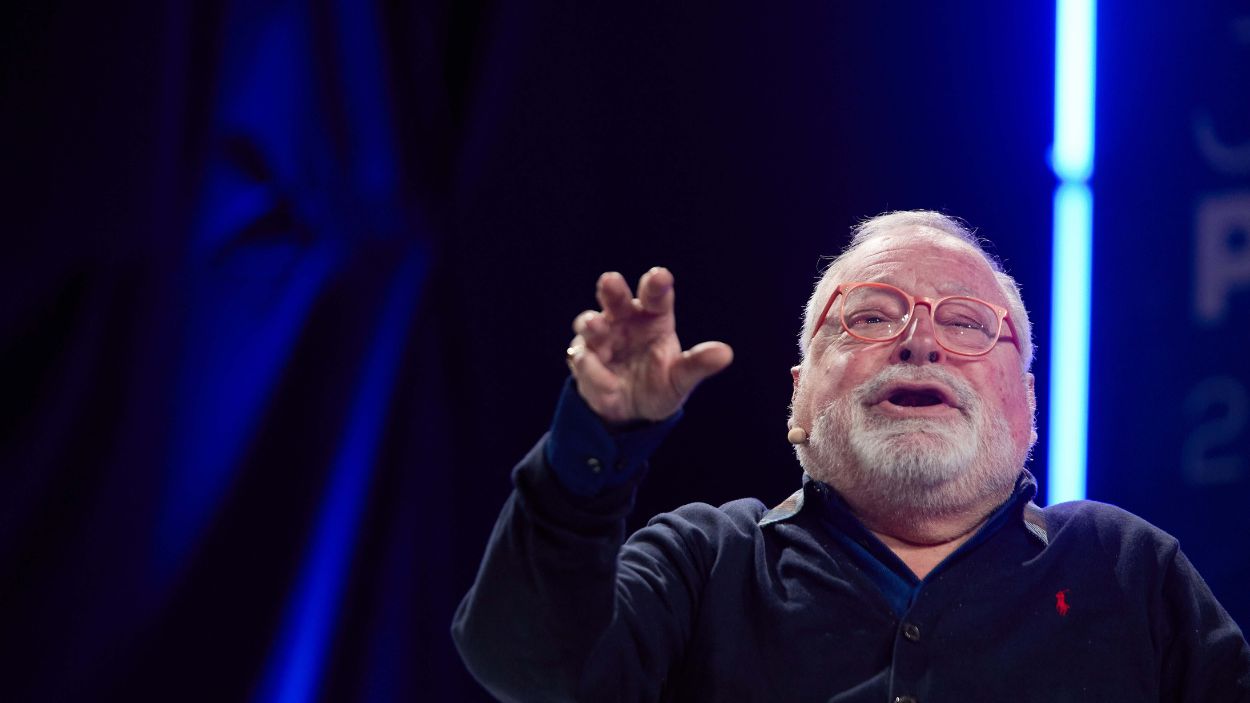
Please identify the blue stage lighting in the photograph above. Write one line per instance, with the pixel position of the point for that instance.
(1069, 355)
(1072, 159)
(297, 663)
(1072, 156)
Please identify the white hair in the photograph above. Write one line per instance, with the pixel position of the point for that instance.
(922, 225)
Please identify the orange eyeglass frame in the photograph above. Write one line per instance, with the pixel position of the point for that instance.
(843, 289)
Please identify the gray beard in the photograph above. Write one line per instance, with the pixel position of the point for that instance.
(926, 467)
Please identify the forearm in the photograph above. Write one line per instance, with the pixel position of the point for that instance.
(544, 593)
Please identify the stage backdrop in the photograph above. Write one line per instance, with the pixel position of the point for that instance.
(288, 286)
(1170, 384)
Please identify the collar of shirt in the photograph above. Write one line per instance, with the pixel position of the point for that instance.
(881, 565)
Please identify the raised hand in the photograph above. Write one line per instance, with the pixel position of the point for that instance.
(626, 358)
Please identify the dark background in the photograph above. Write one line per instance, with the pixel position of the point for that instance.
(288, 284)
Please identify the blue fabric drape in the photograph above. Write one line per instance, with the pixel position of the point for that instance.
(238, 346)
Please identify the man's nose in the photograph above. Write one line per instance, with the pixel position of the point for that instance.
(918, 343)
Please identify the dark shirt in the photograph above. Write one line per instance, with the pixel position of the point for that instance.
(741, 603)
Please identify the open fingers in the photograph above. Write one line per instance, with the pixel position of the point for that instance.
(614, 296)
(592, 330)
(655, 291)
(699, 362)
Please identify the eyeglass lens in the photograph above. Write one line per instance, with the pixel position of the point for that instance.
(961, 324)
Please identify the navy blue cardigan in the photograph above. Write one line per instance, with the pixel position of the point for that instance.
(1077, 602)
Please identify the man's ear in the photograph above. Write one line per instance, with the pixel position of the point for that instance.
(1032, 398)
(794, 390)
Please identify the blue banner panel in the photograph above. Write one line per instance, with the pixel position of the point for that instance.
(1170, 387)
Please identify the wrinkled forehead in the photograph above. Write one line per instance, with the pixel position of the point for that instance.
(921, 258)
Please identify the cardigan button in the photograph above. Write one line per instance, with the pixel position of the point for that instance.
(594, 464)
(911, 632)
(905, 699)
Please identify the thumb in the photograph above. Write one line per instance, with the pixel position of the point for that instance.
(699, 362)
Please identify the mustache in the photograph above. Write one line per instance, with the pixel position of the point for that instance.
(965, 396)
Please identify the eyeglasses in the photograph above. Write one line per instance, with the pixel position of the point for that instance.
(879, 312)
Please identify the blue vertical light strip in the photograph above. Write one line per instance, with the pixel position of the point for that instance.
(1072, 159)
(1069, 356)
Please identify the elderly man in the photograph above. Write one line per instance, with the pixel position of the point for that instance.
(911, 566)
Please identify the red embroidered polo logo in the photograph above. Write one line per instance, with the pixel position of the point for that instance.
(1061, 601)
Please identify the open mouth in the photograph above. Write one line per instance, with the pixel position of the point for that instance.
(916, 395)
(915, 399)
